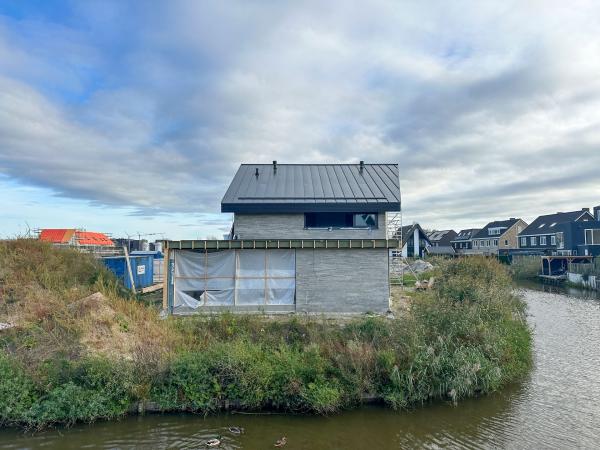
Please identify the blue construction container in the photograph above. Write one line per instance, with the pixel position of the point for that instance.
(159, 260)
(142, 268)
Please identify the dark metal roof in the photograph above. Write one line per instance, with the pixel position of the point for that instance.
(506, 224)
(313, 188)
(545, 224)
(466, 235)
(441, 250)
(441, 236)
(408, 231)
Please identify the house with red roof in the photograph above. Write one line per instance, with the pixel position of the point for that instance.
(76, 238)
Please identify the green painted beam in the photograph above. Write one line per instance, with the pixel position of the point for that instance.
(282, 243)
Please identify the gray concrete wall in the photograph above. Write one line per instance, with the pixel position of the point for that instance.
(291, 226)
(342, 281)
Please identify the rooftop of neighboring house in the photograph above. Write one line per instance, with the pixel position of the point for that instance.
(465, 235)
(441, 235)
(408, 230)
(545, 224)
(64, 236)
(57, 235)
(496, 228)
(441, 250)
(93, 238)
(298, 188)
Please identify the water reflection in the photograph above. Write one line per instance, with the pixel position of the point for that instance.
(556, 407)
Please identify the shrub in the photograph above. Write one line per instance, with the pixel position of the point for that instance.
(17, 393)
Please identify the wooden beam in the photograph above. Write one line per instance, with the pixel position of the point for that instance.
(128, 261)
(285, 243)
(165, 301)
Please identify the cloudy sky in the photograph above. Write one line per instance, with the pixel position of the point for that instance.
(132, 117)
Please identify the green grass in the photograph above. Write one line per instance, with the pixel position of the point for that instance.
(465, 337)
(409, 279)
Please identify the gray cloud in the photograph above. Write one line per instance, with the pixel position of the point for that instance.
(491, 110)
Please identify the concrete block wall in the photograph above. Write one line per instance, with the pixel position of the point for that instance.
(291, 226)
(342, 281)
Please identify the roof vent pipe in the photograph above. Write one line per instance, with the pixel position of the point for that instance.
(256, 173)
(274, 166)
(362, 166)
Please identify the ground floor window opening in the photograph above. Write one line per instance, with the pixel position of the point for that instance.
(234, 278)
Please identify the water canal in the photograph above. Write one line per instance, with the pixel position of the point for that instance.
(557, 406)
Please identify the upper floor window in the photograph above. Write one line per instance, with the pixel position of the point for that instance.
(523, 242)
(542, 240)
(368, 220)
(533, 240)
(495, 231)
(592, 237)
(560, 240)
(340, 220)
(552, 240)
(495, 243)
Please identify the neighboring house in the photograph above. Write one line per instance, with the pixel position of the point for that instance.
(573, 233)
(441, 238)
(305, 237)
(463, 242)
(441, 242)
(500, 235)
(75, 238)
(58, 236)
(597, 213)
(414, 241)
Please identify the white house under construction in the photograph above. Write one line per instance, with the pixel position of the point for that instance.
(305, 238)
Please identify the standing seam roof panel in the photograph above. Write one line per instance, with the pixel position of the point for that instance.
(335, 182)
(343, 182)
(316, 181)
(393, 180)
(375, 189)
(325, 184)
(314, 186)
(384, 181)
(361, 179)
(354, 185)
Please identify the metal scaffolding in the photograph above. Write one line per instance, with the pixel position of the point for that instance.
(396, 259)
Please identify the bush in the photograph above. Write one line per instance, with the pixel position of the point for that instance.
(17, 393)
(248, 376)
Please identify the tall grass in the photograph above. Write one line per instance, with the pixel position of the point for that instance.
(466, 337)
(525, 267)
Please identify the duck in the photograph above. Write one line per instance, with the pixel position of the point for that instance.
(236, 430)
(281, 442)
(215, 442)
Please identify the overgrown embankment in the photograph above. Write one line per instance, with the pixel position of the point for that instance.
(73, 356)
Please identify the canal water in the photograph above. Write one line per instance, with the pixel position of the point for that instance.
(557, 406)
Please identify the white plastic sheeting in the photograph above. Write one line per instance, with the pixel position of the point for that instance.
(234, 277)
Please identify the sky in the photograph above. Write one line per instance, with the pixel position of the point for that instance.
(132, 117)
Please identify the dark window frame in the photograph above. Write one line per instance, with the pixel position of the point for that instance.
(337, 220)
